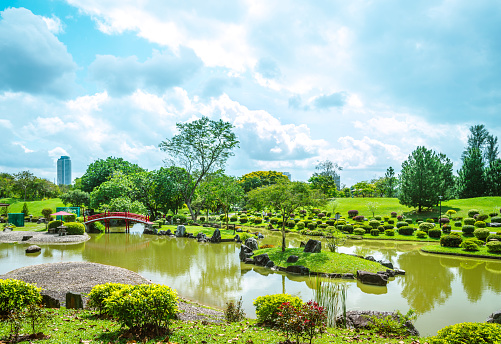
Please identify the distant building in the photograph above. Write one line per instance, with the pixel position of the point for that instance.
(287, 174)
(64, 170)
(337, 180)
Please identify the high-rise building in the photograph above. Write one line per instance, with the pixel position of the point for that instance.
(64, 170)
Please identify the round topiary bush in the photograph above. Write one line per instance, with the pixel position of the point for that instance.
(402, 224)
(481, 233)
(291, 224)
(473, 212)
(389, 232)
(348, 228)
(258, 220)
(243, 219)
(482, 217)
(300, 225)
(322, 225)
(54, 224)
(480, 224)
(494, 236)
(496, 219)
(443, 220)
(274, 220)
(409, 221)
(457, 224)
(430, 220)
(377, 218)
(469, 221)
(381, 229)
(352, 213)
(468, 230)
(16, 295)
(312, 226)
(421, 234)
(393, 214)
(359, 231)
(435, 233)
(468, 333)
(388, 227)
(374, 232)
(446, 229)
(451, 240)
(359, 218)
(469, 245)
(406, 230)
(426, 226)
(374, 223)
(494, 246)
(75, 228)
(267, 306)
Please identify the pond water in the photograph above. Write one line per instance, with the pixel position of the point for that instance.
(443, 290)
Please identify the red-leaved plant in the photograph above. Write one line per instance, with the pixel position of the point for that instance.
(306, 321)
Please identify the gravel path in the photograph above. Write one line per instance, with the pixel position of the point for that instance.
(58, 278)
(42, 238)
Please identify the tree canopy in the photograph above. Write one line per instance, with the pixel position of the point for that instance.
(101, 170)
(257, 179)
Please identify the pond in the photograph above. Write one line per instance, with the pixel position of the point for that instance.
(443, 290)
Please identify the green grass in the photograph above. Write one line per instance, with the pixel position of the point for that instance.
(325, 261)
(225, 233)
(34, 207)
(483, 252)
(29, 226)
(399, 237)
(80, 326)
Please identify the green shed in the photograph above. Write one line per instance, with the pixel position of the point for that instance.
(17, 219)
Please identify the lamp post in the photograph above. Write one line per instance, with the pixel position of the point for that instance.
(440, 215)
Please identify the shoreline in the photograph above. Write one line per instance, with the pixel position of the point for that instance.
(42, 238)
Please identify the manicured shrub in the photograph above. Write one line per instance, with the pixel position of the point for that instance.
(443, 220)
(267, 307)
(359, 218)
(377, 218)
(75, 228)
(381, 229)
(258, 220)
(435, 233)
(280, 222)
(493, 214)
(409, 221)
(352, 213)
(330, 222)
(390, 221)
(421, 234)
(374, 223)
(70, 218)
(481, 233)
(494, 236)
(458, 224)
(100, 293)
(446, 229)
(143, 306)
(393, 214)
(406, 230)
(451, 240)
(312, 226)
(348, 228)
(494, 246)
(468, 230)
(400, 217)
(496, 219)
(480, 224)
(430, 220)
(473, 212)
(482, 217)
(389, 232)
(243, 219)
(469, 221)
(300, 225)
(322, 226)
(468, 333)
(388, 227)
(359, 231)
(96, 227)
(179, 218)
(290, 224)
(374, 232)
(426, 226)
(402, 224)
(274, 220)
(386, 218)
(16, 296)
(54, 224)
(320, 215)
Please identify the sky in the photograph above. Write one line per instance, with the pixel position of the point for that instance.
(361, 83)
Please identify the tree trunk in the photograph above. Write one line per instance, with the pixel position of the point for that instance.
(283, 233)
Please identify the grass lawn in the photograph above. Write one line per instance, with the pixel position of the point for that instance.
(483, 252)
(225, 233)
(82, 326)
(30, 226)
(325, 261)
(34, 207)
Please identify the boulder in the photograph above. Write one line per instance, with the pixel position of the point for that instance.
(361, 320)
(292, 259)
(190, 235)
(148, 230)
(494, 224)
(313, 246)
(386, 263)
(302, 244)
(201, 237)
(216, 236)
(169, 232)
(180, 231)
(298, 269)
(370, 258)
(347, 276)
(252, 244)
(399, 272)
(249, 261)
(260, 236)
(270, 264)
(372, 278)
(33, 249)
(390, 272)
(26, 237)
(162, 233)
(7, 229)
(495, 317)
(50, 302)
(74, 300)
(245, 252)
(261, 259)
(239, 230)
(237, 238)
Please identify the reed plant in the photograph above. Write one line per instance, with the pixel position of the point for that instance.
(332, 297)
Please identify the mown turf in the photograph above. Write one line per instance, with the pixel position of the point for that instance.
(325, 261)
(34, 207)
(482, 252)
(225, 233)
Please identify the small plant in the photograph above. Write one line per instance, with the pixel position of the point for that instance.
(234, 311)
(267, 307)
(473, 212)
(99, 293)
(306, 321)
(25, 211)
(392, 325)
(421, 234)
(494, 246)
(469, 245)
(352, 213)
(393, 214)
(466, 333)
(451, 240)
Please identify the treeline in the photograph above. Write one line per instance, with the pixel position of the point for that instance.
(27, 186)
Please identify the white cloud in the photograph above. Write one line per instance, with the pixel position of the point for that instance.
(54, 24)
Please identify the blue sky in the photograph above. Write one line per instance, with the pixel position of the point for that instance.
(361, 83)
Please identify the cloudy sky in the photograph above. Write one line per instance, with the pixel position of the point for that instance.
(361, 83)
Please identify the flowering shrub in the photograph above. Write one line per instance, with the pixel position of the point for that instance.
(400, 217)
(393, 214)
(443, 220)
(306, 321)
(352, 213)
(358, 218)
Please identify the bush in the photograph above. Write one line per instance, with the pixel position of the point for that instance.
(300, 225)
(400, 217)
(469, 245)
(348, 228)
(267, 306)
(468, 333)
(435, 233)
(143, 306)
(481, 233)
(426, 226)
(291, 224)
(352, 213)
(96, 226)
(496, 219)
(180, 217)
(494, 246)
(274, 220)
(386, 218)
(233, 218)
(406, 230)
(374, 223)
(359, 218)
(312, 226)
(243, 219)
(306, 321)
(393, 214)
(389, 232)
(55, 224)
(322, 226)
(374, 232)
(16, 295)
(468, 230)
(473, 212)
(451, 240)
(75, 228)
(330, 222)
(458, 224)
(100, 293)
(234, 311)
(390, 326)
(388, 226)
(421, 234)
(359, 231)
(377, 217)
(443, 220)
(381, 229)
(402, 224)
(409, 221)
(446, 229)
(391, 222)
(482, 217)
(469, 221)
(494, 236)
(258, 220)
(493, 214)
(480, 224)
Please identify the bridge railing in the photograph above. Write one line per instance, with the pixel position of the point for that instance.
(115, 214)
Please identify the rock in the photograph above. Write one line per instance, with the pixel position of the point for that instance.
(190, 235)
(180, 231)
(237, 238)
(260, 236)
(7, 229)
(33, 249)
(372, 278)
(270, 264)
(347, 276)
(148, 230)
(298, 269)
(292, 259)
(261, 259)
(201, 237)
(390, 273)
(206, 225)
(302, 244)
(245, 252)
(216, 225)
(370, 258)
(74, 300)
(386, 263)
(313, 246)
(216, 236)
(169, 232)
(249, 261)
(360, 320)
(252, 244)
(162, 233)
(399, 272)
(50, 302)
(239, 230)
(495, 317)
(494, 224)
(26, 237)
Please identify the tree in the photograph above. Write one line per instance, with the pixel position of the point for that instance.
(285, 197)
(480, 139)
(6, 185)
(257, 179)
(326, 179)
(471, 180)
(24, 181)
(25, 211)
(363, 188)
(76, 198)
(425, 176)
(46, 212)
(493, 178)
(373, 207)
(201, 147)
(101, 170)
(491, 149)
(227, 192)
(390, 182)
(119, 186)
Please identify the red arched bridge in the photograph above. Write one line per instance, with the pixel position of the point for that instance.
(108, 215)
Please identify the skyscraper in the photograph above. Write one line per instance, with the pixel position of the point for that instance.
(64, 170)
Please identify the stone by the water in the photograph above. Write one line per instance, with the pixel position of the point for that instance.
(313, 246)
(33, 249)
(252, 244)
(292, 259)
(371, 278)
(180, 231)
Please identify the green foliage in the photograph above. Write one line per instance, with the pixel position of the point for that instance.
(480, 224)
(391, 325)
(178, 218)
(16, 296)
(374, 223)
(96, 226)
(435, 233)
(496, 219)
(234, 311)
(46, 213)
(421, 234)
(494, 246)
(389, 232)
(258, 220)
(468, 230)
(473, 212)
(481, 233)
(468, 333)
(233, 218)
(359, 231)
(101, 170)
(257, 179)
(469, 245)
(267, 307)
(426, 226)
(306, 321)
(25, 211)
(100, 293)
(142, 306)
(348, 228)
(402, 224)
(55, 224)
(471, 180)
(75, 228)
(76, 198)
(375, 232)
(469, 221)
(70, 218)
(406, 230)
(451, 240)
(300, 225)
(482, 217)
(458, 224)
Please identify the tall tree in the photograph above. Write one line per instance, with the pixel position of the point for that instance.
(202, 146)
(227, 192)
(76, 198)
(257, 179)
(390, 182)
(101, 170)
(327, 178)
(24, 182)
(491, 149)
(285, 197)
(425, 176)
(477, 138)
(6, 184)
(471, 180)
(493, 178)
